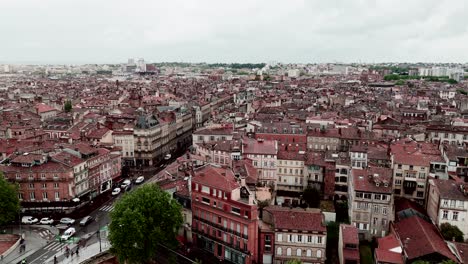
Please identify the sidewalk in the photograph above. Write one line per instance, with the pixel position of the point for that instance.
(33, 243)
(84, 253)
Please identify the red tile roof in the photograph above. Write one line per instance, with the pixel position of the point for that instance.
(297, 219)
(42, 108)
(349, 234)
(216, 177)
(415, 153)
(384, 256)
(262, 147)
(422, 238)
(366, 179)
(67, 159)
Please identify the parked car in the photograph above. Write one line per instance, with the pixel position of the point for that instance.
(67, 221)
(125, 183)
(140, 180)
(46, 221)
(29, 220)
(68, 233)
(86, 220)
(168, 157)
(116, 191)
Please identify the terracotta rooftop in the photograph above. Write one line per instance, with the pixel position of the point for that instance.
(350, 234)
(262, 147)
(366, 179)
(297, 219)
(215, 177)
(422, 238)
(42, 108)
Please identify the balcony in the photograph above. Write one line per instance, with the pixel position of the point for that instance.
(220, 227)
(220, 241)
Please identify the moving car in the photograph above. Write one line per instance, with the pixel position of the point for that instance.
(167, 157)
(67, 221)
(29, 220)
(116, 191)
(68, 233)
(86, 220)
(46, 221)
(140, 180)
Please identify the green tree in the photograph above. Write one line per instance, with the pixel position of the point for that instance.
(68, 106)
(141, 221)
(296, 261)
(450, 232)
(312, 197)
(452, 81)
(9, 205)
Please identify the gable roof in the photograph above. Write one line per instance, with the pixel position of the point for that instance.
(421, 238)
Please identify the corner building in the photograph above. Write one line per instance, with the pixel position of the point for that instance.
(225, 218)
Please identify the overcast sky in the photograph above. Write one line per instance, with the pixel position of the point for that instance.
(110, 31)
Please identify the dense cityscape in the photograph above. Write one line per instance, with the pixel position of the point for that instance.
(234, 132)
(260, 163)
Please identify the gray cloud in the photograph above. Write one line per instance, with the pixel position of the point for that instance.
(106, 31)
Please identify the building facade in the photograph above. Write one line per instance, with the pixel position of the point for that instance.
(371, 201)
(225, 219)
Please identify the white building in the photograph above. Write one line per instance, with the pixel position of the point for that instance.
(448, 203)
(263, 154)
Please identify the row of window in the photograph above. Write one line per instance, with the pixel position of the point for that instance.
(299, 252)
(309, 239)
(379, 197)
(44, 185)
(446, 135)
(291, 171)
(225, 222)
(228, 238)
(377, 209)
(446, 215)
(297, 163)
(411, 167)
(420, 185)
(45, 196)
(453, 203)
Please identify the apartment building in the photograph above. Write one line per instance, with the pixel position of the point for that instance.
(220, 152)
(358, 156)
(225, 218)
(412, 164)
(456, 158)
(299, 234)
(147, 140)
(40, 181)
(371, 201)
(204, 135)
(323, 139)
(447, 202)
(263, 154)
(453, 135)
(124, 140)
(283, 132)
(290, 165)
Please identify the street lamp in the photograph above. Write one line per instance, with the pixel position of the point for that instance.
(99, 233)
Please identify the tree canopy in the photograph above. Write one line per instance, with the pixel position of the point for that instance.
(9, 205)
(312, 197)
(141, 221)
(68, 106)
(450, 232)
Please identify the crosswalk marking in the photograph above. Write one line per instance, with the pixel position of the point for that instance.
(107, 208)
(54, 246)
